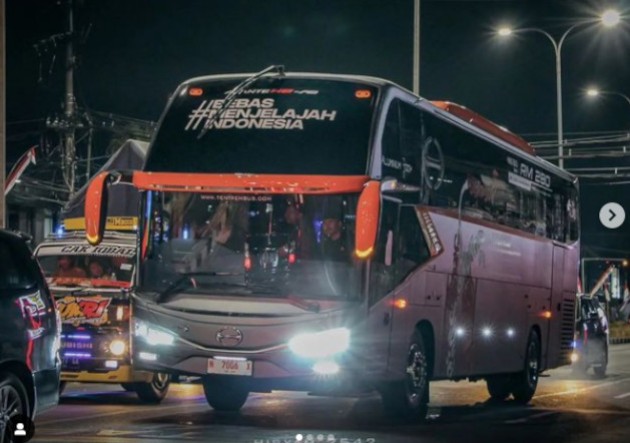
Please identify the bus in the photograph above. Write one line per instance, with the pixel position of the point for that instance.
(91, 286)
(338, 234)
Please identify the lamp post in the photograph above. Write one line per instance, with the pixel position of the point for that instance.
(609, 19)
(594, 92)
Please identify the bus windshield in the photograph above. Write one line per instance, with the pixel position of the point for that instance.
(277, 125)
(75, 265)
(269, 245)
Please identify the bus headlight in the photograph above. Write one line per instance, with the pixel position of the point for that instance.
(117, 347)
(321, 344)
(153, 335)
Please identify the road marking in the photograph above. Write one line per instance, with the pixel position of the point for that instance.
(627, 394)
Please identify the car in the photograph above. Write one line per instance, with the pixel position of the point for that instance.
(590, 346)
(29, 335)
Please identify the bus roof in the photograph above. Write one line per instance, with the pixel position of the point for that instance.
(374, 81)
(483, 123)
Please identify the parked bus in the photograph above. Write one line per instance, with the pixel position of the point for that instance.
(91, 286)
(336, 234)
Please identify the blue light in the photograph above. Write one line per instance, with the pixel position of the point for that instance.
(59, 230)
(186, 233)
(318, 229)
(79, 336)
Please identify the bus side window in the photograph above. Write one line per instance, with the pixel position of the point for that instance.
(402, 143)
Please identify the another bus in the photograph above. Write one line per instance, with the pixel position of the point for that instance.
(91, 286)
(335, 234)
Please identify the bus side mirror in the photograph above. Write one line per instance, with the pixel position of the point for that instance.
(96, 208)
(368, 214)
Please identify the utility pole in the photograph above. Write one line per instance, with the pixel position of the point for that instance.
(3, 97)
(69, 147)
(416, 46)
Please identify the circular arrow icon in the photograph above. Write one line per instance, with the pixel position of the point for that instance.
(612, 215)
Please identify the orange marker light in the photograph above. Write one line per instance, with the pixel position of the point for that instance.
(195, 92)
(363, 93)
(545, 314)
(400, 303)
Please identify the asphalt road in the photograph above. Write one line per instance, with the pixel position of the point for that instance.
(567, 408)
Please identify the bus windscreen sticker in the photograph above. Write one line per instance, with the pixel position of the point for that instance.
(255, 113)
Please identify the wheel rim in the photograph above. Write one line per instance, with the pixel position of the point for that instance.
(160, 381)
(532, 365)
(416, 375)
(10, 406)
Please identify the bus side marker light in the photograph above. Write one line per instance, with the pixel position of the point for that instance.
(363, 93)
(400, 303)
(195, 92)
(546, 314)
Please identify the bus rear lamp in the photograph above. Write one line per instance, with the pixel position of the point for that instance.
(322, 344)
(117, 347)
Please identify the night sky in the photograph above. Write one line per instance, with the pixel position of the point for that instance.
(137, 51)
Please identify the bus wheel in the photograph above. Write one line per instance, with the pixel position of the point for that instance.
(525, 382)
(155, 390)
(62, 387)
(225, 394)
(499, 387)
(600, 371)
(410, 398)
(129, 387)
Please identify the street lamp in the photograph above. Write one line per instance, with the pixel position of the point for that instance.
(594, 92)
(608, 19)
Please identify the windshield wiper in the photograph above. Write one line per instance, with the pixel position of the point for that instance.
(235, 92)
(187, 280)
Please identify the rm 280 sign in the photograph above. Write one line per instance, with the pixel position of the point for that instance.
(530, 173)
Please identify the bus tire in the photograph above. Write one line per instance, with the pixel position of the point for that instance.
(129, 387)
(62, 387)
(525, 382)
(409, 398)
(499, 387)
(225, 394)
(155, 390)
(600, 371)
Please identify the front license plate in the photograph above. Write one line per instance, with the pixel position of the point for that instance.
(228, 366)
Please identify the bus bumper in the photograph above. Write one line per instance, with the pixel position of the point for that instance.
(124, 374)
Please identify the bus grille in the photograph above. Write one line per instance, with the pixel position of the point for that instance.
(567, 329)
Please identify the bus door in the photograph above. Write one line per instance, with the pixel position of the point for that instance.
(381, 288)
(554, 334)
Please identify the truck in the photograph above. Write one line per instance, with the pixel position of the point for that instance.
(91, 286)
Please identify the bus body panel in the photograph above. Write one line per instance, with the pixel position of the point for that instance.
(498, 268)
